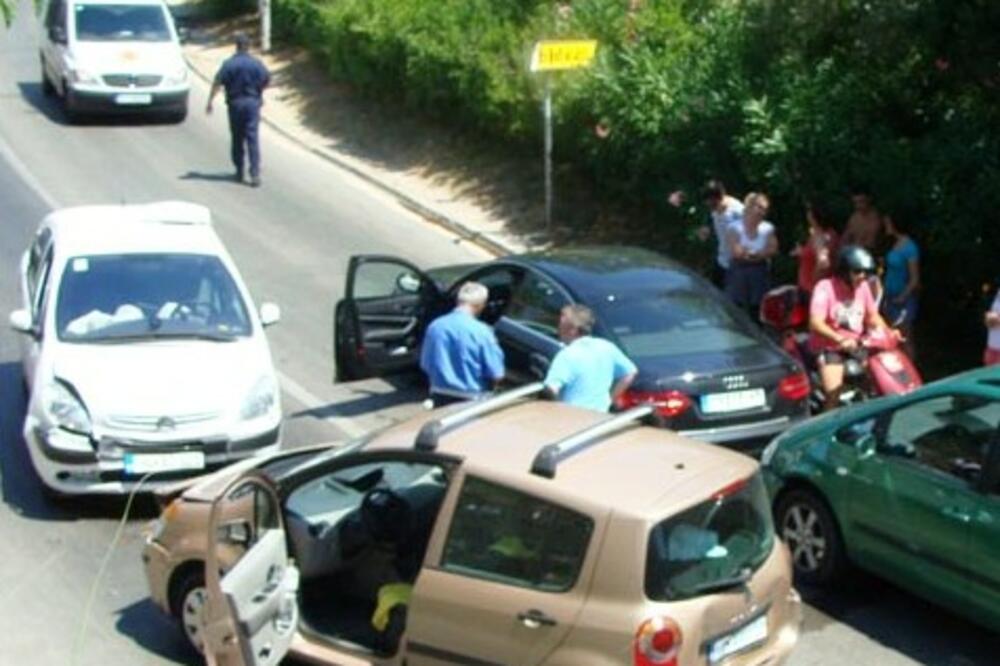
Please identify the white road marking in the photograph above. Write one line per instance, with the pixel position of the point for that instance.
(25, 174)
(304, 396)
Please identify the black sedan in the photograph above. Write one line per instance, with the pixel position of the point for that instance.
(713, 374)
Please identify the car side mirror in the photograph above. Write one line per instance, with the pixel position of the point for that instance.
(20, 321)
(270, 313)
(183, 34)
(408, 283)
(866, 446)
(57, 34)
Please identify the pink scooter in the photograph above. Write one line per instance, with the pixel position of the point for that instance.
(878, 367)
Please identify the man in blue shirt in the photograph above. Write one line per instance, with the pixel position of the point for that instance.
(244, 78)
(588, 372)
(460, 354)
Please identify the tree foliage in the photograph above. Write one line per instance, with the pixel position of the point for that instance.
(800, 98)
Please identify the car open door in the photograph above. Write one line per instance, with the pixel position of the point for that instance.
(251, 612)
(380, 322)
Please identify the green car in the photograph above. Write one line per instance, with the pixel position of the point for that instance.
(907, 487)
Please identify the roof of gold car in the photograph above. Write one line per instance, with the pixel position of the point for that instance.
(634, 468)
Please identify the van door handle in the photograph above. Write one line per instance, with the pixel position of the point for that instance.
(534, 618)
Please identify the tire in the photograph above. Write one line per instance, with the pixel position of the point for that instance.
(70, 106)
(177, 117)
(187, 602)
(805, 523)
(47, 88)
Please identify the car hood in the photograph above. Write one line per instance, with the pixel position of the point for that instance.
(168, 378)
(665, 370)
(128, 57)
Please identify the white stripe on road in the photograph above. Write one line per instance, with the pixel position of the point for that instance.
(298, 392)
(305, 397)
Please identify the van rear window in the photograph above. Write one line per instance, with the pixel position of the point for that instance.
(712, 546)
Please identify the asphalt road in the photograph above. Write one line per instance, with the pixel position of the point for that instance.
(291, 239)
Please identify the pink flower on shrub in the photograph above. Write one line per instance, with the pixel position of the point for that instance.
(676, 198)
(602, 130)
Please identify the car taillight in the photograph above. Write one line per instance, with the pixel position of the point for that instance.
(794, 387)
(668, 403)
(657, 643)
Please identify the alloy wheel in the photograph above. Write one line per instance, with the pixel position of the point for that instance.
(803, 531)
(192, 616)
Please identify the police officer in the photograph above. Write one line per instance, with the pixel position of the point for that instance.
(244, 77)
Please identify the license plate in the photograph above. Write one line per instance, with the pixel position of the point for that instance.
(748, 635)
(733, 401)
(133, 98)
(144, 463)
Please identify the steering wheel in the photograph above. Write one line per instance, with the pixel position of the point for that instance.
(386, 515)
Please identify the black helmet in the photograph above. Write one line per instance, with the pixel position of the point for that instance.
(854, 258)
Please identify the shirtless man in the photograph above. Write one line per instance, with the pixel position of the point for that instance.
(864, 226)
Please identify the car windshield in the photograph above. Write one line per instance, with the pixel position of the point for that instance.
(713, 546)
(121, 23)
(138, 296)
(672, 323)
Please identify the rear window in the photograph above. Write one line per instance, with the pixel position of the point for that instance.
(673, 323)
(712, 546)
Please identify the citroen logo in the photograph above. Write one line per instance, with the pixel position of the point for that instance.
(165, 423)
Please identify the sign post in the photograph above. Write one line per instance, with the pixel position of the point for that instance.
(265, 25)
(549, 56)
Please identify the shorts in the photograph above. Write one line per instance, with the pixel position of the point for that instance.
(830, 357)
(991, 356)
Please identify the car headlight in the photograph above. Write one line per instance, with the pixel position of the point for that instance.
(81, 75)
(178, 76)
(65, 409)
(260, 400)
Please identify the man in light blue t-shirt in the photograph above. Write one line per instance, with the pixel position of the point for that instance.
(588, 372)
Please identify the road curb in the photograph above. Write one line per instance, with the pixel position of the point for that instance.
(460, 229)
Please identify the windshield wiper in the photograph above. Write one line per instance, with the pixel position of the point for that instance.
(159, 335)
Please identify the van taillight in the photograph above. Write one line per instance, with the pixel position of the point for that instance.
(794, 387)
(657, 643)
(668, 403)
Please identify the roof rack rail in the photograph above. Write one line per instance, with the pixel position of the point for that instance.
(551, 455)
(431, 432)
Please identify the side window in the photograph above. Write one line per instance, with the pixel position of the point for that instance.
(536, 303)
(506, 536)
(247, 512)
(56, 14)
(501, 283)
(949, 434)
(35, 256)
(381, 279)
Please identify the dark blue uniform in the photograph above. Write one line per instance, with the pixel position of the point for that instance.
(244, 78)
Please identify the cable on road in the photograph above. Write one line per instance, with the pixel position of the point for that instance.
(91, 596)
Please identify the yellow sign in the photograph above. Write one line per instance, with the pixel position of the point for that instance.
(550, 55)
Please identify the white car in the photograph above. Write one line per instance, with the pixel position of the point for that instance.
(142, 350)
(113, 56)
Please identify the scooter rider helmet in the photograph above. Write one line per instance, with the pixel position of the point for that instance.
(853, 259)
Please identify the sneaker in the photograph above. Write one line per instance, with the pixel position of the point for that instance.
(238, 176)
(255, 181)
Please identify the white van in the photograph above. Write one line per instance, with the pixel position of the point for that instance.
(113, 56)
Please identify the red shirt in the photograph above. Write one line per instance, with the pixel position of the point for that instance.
(845, 309)
(826, 242)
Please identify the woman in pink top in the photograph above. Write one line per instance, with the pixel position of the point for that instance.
(841, 310)
(817, 254)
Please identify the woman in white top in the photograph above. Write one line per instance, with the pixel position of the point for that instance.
(752, 243)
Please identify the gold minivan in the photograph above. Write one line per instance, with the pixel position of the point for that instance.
(507, 531)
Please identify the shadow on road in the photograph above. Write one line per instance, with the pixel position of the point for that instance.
(219, 177)
(155, 632)
(21, 487)
(405, 389)
(900, 621)
(51, 107)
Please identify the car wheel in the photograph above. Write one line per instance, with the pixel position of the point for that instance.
(806, 524)
(70, 106)
(47, 88)
(177, 117)
(187, 603)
